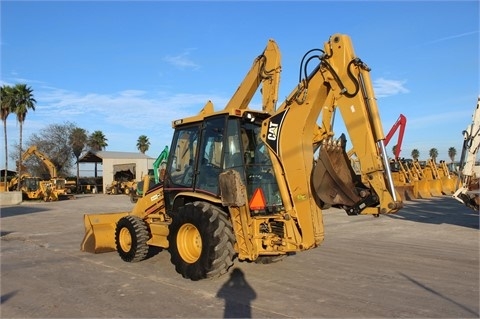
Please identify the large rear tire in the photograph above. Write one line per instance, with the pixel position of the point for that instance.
(131, 236)
(201, 241)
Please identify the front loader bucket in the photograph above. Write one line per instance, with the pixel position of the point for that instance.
(435, 187)
(423, 188)
(401, 192)
(410, 192)
(448, 185)
(415, 192)
(100, 232)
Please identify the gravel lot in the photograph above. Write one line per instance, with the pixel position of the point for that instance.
(420, 263)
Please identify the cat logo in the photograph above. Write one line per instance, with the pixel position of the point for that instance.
(154, 197)
(272, 131)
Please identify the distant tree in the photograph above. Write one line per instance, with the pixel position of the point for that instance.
(97, 142)
(452, 152)
(53, 141)
(7, 107)
(433, 154)
(143, 144)
(23, 101)
(415, 154)
(78, 141)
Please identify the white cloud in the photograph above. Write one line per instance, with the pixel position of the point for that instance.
(384, 87)
(452, 37)
(182, 61)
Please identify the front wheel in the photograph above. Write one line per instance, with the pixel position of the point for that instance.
(201, 241)
(131, 236)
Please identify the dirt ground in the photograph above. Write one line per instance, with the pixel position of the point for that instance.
(422, 262)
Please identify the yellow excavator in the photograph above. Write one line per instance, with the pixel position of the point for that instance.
(252, 184)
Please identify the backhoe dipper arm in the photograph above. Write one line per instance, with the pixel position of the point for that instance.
(33, 150)
(342, 81)
(266, 71)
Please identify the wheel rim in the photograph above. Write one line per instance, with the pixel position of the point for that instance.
(125, 239)
(189, 243)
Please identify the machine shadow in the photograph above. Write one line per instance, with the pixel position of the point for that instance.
(438, 210)
(20, 210)
(438, 294)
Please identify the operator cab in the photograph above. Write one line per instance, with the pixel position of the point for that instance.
(201, 151)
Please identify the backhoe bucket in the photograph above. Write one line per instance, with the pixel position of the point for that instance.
(100, 232)
(333, 177)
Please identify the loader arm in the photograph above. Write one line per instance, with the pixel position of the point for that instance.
(339, 81)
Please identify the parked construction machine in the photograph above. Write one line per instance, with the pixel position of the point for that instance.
(30, 186)
(468, 188)
(157, 172)
(54, 188)
(253, 184)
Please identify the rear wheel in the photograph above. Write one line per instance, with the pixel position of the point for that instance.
(131, 236)
(201, 241)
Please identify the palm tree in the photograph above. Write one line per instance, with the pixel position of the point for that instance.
(143, 144)
(23, 100)
(7, 107)
(415, 154)
(433, 154)
(97, 142)
(78, 140)
(451, 153)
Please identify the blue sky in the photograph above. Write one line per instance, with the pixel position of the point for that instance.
(129, 68)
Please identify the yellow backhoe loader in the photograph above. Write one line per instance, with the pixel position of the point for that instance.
(252, 184)
(415, 174)
(449, 180)
(404, 184)
(438, 174)
(30, 186)
(430, 173)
